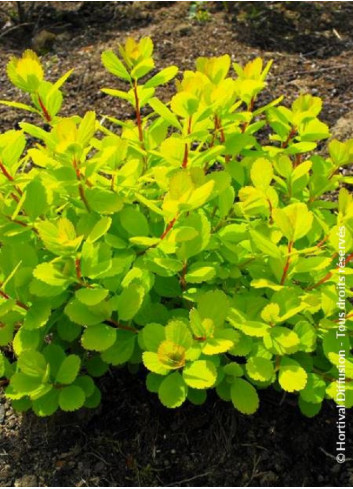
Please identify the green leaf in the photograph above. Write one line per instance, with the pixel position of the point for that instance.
(134, 222)
(113, 64)
(163, 111)
(59, 237)
(151, 362)
(46, 405)
(259, 368)
(32, 363)
(265, 245)
(307, 335)
(142, 68)
(55, 356)
(68, 370)
(172, 391)
(197, 396)
(71, 398)
(24, 384)
(152, 336)
(91, 297)
(294, 221)
(309, 409)
(332, 344)
(96, 366)
(86, 129)
(87, 315)
(6, 334)
(233, 369)
(24, 339)
(99, 229)
(49, 274)
(67, 330)
(86, 383)
(199, 274)
(35, 202)
(292, 377)
(222, 341)
(261, 173)
(103, 201)
(153, 382)
(37, 316)
(251, 328)
(315, 389)
(214, 305)
(244, 396)
(184, 104)
(281, 340)
(130, 301)
(99, 337)
(200, 374)
(94, 399)
(122, 350)
(162, 77)
(178, 333)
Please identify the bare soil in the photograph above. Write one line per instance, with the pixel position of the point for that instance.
(132, 439)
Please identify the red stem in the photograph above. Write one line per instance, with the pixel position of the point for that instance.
(78, 269)
(5, 172)
(80, 187)
(186, 155)
(168, 228)
(186, 151)
(329, 274)
(138, 112)
(292, 133)
(18, 303)
(44, 110)
(286, 266)
(183, 273)
(112, 322)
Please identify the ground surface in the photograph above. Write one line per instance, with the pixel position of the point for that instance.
(132, 439)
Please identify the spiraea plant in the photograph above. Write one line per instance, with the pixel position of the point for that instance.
(202, 242)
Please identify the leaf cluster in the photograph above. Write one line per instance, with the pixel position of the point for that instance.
(196, 241)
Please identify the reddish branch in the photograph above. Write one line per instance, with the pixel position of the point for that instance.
(80, 187)
(250, 108)
(291, 134)
(138, 112)
(218, 127)
(10, 179)
(78, 269)
(168, 228)
(186, 156)
(297, 160)
(286, 266)
(5, 172)
(18, 303)
(322, 242)
(118, 325)
(44, 110)
(186, 151)
(329, 274)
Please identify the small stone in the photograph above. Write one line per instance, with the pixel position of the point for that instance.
(184, 29)
(26, 481)
(43, 41)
